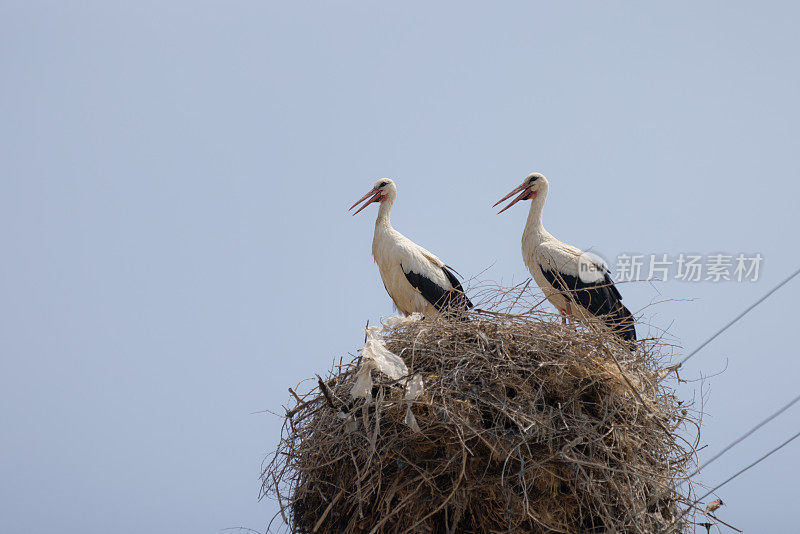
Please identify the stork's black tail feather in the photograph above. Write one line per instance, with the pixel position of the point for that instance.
(621, 322)
(456, 298)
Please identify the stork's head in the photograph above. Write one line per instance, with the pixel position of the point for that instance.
(382, 190)
(535, 185)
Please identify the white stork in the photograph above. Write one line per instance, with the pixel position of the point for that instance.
(574, 282)
(416, 280)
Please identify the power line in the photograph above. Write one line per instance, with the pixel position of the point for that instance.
(755, 428)
(735, 319)
(749, 432)
(767, 455)
(718, 486)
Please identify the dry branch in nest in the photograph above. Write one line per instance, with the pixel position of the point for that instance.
(500, 423)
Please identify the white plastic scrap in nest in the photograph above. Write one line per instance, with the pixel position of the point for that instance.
(375, 355)
(414, 389)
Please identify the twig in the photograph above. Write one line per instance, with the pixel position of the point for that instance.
(296, 397)
(328, 510)
(302, 406)
(326, 392)
(715, 518)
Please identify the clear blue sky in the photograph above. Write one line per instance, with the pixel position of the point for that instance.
(177, 252)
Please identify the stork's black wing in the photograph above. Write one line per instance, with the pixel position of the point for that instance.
(463, 300)
(440, 297)
(599, 298)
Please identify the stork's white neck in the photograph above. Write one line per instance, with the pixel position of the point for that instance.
(534, 227)
(384, 213)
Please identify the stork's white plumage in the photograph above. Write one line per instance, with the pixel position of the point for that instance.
(573, 281)
(416, 280)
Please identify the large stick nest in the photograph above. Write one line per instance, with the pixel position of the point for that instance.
(524, 425)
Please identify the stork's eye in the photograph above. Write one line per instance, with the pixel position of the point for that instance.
(382, 184)
(534, 178)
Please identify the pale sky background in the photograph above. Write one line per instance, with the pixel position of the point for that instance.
(177, 250)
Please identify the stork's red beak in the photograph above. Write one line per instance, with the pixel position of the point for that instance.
(525, 194)
(374, 195)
